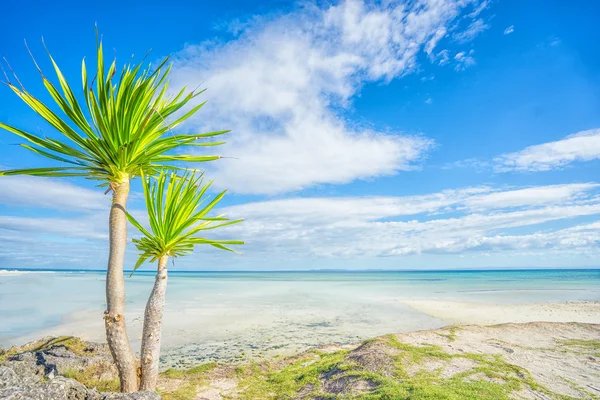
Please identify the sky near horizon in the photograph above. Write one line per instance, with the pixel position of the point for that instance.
(426, 134)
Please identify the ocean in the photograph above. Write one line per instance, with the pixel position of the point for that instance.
(218, 310)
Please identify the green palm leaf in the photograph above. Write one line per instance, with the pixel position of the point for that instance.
(121, 129)
(177, 213)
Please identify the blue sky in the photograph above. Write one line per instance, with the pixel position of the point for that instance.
(419, 134)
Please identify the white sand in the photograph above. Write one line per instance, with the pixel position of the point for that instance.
(206, 332)
(456, 312)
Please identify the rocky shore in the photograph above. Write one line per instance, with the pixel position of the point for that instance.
(509, 361)
(49, 369)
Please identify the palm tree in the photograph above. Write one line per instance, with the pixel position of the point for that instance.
(176, 215)
(121, 129)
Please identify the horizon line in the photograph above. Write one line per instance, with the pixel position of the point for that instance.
(320, 270)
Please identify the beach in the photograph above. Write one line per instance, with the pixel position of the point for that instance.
(464, 313)
(496, 334)
(228, 316)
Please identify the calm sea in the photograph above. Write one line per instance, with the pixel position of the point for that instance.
(367, 302)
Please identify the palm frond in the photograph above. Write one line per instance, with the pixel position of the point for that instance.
(177, 212)
(124, 125)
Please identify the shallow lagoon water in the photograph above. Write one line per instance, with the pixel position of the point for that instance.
(223, 314)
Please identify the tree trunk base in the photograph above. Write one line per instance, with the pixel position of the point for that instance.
(121, 352)
(152, 328)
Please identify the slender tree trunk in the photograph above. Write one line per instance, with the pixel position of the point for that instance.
(152, 328)
(114, 316)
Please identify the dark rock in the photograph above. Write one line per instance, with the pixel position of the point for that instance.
(60, 351)
(27, 386)
(27, 364)
(18, 386)
(36, 375)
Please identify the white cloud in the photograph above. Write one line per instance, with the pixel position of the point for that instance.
(28, 191)
(464, 60)
(472, 31)
(277, 87)
(555, 41)
(79, 241)
(330, 209)
(479, 8)
(582, 146)
(429, 100)
(370, 208)
(471, 163)
(37, 253)
(79, 228)
(501, 221)
(533, 196)
(509, 30)
(452, 221)
(443, 57)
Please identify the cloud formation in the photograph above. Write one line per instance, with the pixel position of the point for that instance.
(581, 146)
(464, 60)
(472, 31)
(285, 86)
(87, 227)
(29, 191)
(472, 220)
(281, 86)
(449, 222)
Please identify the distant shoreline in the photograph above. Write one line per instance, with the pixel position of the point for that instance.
(7, 270)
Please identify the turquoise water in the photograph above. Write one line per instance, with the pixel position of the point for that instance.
(234, 302)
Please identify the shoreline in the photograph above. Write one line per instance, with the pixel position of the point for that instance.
(190, 340)
(470, 313)
(272, 313)
(338, 270)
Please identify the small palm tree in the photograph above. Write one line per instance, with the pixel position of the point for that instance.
(176, 215)
(120, 130)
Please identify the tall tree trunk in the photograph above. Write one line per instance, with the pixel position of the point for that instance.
(114, 316)
(152, 328)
